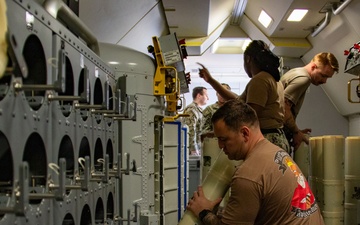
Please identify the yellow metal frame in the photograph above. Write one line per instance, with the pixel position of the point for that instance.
(173, 97)
(160, 74)
(349, 89)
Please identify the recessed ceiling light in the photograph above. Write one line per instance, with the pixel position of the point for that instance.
(264, 19)
(297, 15)
(230, 45)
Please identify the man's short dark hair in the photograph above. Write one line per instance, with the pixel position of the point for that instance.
(235, 114)
(197, 90)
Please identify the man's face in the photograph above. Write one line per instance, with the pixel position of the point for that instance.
(203, 98)
(231, 142)
(321, 73)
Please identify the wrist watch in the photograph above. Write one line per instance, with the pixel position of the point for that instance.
(203, 214)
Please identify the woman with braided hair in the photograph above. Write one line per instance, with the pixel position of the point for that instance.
(264, 93)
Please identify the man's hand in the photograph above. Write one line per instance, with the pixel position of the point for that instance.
(306, 131)
(199, 202)
(300, 137)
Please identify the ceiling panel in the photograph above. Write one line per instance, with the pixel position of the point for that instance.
(188, 18)
(305, 27)
(200, 18)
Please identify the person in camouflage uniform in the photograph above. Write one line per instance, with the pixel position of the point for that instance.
(206, 125)
(193, 121)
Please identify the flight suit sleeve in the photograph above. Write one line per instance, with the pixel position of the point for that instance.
(190, 121)
(206, 125)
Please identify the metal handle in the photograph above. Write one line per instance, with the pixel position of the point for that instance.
(357, 90)
(58, 9)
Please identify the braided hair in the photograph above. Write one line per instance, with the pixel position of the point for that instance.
(265, 59)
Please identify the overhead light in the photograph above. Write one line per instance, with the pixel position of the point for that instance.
(264, 19)
(230, 45)
(297, 15)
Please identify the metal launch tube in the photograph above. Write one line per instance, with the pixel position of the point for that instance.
(215, 184)
(209, 152)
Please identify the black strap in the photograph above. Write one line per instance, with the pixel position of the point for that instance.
(203, 214)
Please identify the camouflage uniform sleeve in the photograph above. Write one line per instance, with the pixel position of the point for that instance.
(191, 122)
(206, 125)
